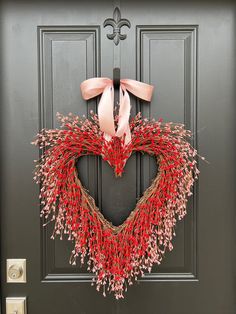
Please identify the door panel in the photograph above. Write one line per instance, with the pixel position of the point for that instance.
(187, 51)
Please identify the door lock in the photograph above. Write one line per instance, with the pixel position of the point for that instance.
(16, 270)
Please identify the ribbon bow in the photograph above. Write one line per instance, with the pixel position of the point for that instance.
(95, 86)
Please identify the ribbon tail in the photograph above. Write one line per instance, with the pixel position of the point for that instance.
(107, 137)
(127, 136)
(124, 113)
(105, 111)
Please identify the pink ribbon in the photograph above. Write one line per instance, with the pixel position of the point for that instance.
(95, 86)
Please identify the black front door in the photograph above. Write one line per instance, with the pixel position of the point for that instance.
(187, 51)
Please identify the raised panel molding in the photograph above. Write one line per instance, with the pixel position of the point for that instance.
(67, 56)
(49, 38)
(167, 58)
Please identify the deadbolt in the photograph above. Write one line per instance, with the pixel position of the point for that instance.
(16, 270)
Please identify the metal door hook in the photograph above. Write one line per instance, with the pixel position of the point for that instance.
(116, 78)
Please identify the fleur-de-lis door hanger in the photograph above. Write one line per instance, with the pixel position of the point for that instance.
(116, 22)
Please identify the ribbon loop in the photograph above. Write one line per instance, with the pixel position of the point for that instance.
(95, 86)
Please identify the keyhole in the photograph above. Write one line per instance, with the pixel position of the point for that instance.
(15, 272)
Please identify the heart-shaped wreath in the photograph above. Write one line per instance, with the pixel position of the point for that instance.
(116, 254)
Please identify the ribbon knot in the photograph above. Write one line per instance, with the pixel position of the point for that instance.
(95, 86)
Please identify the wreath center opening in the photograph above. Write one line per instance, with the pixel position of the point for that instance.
(116, 197)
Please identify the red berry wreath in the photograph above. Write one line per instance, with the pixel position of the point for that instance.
(116, 254)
